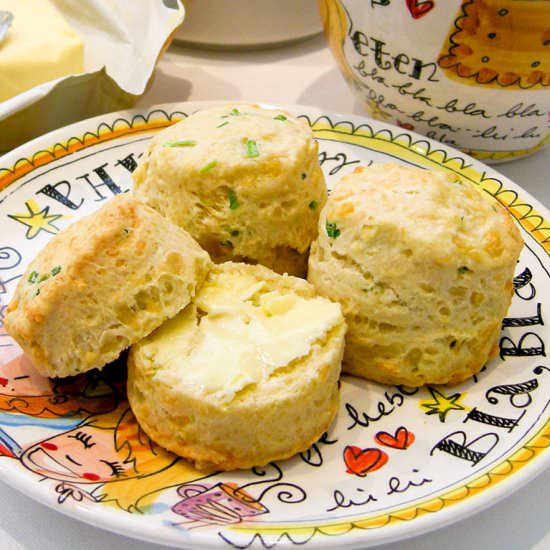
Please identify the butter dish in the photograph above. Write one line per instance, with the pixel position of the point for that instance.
(102, 60)
(39, 46)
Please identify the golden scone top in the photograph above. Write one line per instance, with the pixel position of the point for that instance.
(241, 133)
(69, 252)
(245, 146)
(245, 181)
(433, 213)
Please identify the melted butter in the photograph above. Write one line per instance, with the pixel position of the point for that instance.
(246, 334)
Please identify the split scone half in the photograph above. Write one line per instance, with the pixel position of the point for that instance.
(101, 284)
(422, 264)
(246, 374)
(244, 180)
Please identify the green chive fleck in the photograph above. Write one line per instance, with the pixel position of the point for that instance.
(181, 143)
(37, 292)
(208, 166)
(304, 175)
(463, 269)
(376, 288)
(234, 232)
(234, 112)
(332, 229)
(42, 278)
(252, 149)
(33, 277)
(55, 270)
(222, 124)
(313, 205)
(227, 243)
(233, 200)
(280, 117)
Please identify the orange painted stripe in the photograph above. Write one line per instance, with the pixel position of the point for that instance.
(24, 166)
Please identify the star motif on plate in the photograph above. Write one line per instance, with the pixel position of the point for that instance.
(37, 220)
(442, 404)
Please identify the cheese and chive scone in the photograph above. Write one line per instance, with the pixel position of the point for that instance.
(245, 374)
(245, 181)
(422, 264)
(101, 284)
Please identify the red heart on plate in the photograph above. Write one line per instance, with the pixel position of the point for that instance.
(363, 461)
(401, 439)
(419, 9)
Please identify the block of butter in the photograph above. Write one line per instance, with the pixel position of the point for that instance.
(39, 46)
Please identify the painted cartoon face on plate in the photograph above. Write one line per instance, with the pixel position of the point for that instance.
(84, 454)
(23, 390)
(19, 378)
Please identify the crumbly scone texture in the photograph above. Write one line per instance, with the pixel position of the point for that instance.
(243, 180)
(270, 418)
(101, 284)
(422, 264)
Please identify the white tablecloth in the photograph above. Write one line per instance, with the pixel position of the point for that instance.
(301, 74)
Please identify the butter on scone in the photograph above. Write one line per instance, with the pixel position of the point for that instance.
(101, 284)
(245, 181)
(422, 264)
(246, 374)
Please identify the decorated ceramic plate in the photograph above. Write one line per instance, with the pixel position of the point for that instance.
(396, 462)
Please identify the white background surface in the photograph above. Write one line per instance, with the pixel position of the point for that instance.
(301, 74)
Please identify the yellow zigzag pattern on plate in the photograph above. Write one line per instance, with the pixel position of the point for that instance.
(104, 132)
(299, 533)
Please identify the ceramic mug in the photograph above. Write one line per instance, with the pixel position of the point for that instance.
(474, 74)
